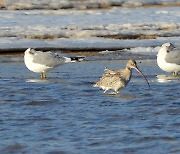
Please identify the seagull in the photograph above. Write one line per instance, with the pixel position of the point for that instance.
(117, 79)
(41, 62)
(168, 58)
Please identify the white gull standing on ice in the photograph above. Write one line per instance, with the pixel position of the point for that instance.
(41, 62)
(168, 58)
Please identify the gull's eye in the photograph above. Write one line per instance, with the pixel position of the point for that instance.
(31, 52)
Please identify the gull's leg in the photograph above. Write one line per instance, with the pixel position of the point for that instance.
(105, 91)
(43, 75)
(175, 74)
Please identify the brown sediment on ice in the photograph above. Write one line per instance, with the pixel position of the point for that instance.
(2, 4)
(14, 53)
(41, 37)
(113, 31)
(153, 5)
(122, 37)
(90, 50)
(136, 36)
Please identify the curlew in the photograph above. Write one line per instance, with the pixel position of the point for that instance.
(117, 80)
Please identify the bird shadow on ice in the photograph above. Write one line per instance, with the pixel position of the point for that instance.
(166, 78)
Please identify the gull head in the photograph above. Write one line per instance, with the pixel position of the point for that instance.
(29, 51)
(168, 46)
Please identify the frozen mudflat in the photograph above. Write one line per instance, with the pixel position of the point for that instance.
(104, 29)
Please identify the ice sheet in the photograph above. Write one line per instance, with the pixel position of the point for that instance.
(113, 28)
(84, 44)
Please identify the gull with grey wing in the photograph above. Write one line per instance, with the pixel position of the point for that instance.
(41, 62)
(168, 58)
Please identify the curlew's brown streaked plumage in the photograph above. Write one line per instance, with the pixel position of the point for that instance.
(117, 80)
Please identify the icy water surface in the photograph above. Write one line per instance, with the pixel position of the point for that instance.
(65, 114)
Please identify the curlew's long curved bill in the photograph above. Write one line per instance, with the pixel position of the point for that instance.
(136, 68)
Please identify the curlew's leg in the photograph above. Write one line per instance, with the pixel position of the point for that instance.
(43, 75)
(116, 92)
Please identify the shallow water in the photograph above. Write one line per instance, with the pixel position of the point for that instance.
(65, 114)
